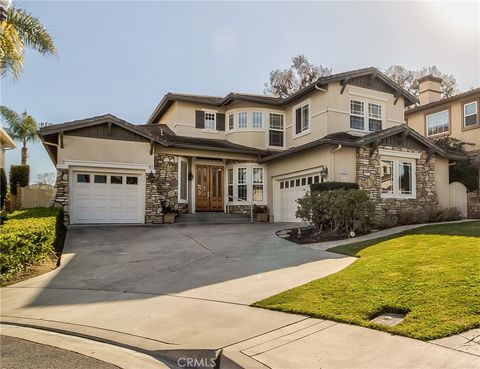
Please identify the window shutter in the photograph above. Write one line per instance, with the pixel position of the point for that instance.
(199, 119)
(220, 122)
(298, 120)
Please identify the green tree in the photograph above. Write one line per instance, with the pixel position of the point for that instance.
(19, 31)
(21, 127)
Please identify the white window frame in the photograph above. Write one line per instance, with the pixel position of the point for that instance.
(465, 114)
(231, 175)
(258, 183)
(231, 115)
(184, 160)
(357, 114)
(243, 183)
(375, 117)
(267, 134)
(249, 183)
(242, 113)
(254, 123)
(396, 194)
(441, 133)
(305, 129)
(214, 120)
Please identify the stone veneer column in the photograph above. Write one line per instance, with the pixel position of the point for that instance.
(163, 188)
(368, 178)
(61, 193)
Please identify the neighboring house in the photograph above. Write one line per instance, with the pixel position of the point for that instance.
(205, 153)
(456, 116)
(6, 143)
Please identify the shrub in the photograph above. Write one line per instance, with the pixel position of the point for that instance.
(466, 172)
(329, 186)
(426, 215)
(3, 187)
(338, 212)
(29, 236)
(19, 174)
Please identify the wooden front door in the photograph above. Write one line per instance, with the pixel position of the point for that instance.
(209, 188)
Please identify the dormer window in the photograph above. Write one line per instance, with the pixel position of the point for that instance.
(210, 121)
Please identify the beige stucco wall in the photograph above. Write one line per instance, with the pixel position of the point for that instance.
(417, 121)
(341, 166)
(339, 107)
(442, 181)
(2, 156)
(204, 153)
(103, 150)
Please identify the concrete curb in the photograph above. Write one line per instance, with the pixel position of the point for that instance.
(379, 234)
(119, 356)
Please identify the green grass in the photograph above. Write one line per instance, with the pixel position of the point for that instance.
(432, 272)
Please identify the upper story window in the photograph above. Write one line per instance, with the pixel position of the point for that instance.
(257, 119)
(231, 124)
(470, 114)
(374, 117)
(242, 119)
(210, 120)
(302, 119)
(275, 134)
(437, 123)
(357, 119)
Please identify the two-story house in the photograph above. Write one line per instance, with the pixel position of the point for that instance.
(216, 154)
(455, 117)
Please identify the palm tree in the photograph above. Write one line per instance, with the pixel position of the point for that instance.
(21, 30)
(21, 127)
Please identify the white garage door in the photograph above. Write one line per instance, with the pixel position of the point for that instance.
(287, 191)
(107, 198)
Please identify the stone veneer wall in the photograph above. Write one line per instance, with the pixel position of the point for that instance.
(473, 205)
(368, 178)
(162, 188)
(61, 193)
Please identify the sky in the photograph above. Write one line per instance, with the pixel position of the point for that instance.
(121, 57)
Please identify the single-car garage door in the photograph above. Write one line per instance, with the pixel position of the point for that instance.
(287, 191)
(107, 198)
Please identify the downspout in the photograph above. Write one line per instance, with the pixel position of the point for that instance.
(332, 161)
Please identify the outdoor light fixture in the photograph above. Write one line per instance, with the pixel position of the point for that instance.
(323, 171)
(190, 176)
(151, 174)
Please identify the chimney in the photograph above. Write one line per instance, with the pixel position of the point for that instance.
(430, 89)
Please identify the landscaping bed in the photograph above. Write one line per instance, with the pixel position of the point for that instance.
(31, 241)
(431, 274)
(304, 236)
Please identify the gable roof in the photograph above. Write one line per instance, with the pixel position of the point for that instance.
(158, 133)
(170, 97)
(443, 101)
(345, 139)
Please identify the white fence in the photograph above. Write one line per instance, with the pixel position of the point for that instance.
(35, 196)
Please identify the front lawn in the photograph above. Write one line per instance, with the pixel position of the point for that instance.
(31, 242)
(432, 272)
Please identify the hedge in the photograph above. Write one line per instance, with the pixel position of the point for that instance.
(19, 174)
(330, 186)
(29, 236)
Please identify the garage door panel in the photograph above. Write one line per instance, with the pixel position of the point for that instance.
(287, 191)
(107, 198)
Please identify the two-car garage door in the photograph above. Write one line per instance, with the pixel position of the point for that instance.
(287, 191)
(107, 197)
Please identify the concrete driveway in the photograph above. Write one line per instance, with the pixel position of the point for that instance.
(164, 289)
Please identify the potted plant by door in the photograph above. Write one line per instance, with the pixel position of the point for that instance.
(261, 213)
(169, 213)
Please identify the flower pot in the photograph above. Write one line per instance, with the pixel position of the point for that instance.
(261, 217)
(169, 218)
